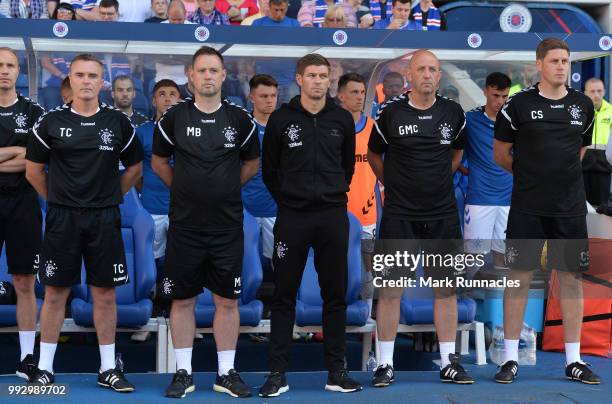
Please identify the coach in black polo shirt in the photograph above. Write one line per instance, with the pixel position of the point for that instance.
(216, 150)
(20, 216)
(541, 134)
(82, 144)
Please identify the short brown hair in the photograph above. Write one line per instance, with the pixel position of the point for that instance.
(262, 80)
(205, 51)
(312, 59)
(165, 83)
(87, 57)
(549, 44)
(348, 77)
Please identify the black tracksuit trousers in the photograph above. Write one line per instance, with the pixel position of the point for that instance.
(295, 232)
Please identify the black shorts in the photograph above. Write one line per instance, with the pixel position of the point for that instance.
(73, 235)
(201, 259)
(567, 242)
(437, 239)
(21, 230)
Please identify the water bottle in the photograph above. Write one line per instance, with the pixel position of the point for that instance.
(527, 346)
(371, 363)
(496, 350)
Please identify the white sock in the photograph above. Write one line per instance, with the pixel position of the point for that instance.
(446, 348)
(572, 352)
(226, 361)
(511, 350)
(107, 357)
(386, 352)
(369, 302)
(47, 353)
(183, 359)
(26, 343)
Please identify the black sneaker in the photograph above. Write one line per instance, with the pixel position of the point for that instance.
(340, 381)
(507, 372)
(274, 386)
(182, 383)
(42, 378)
(580, 372)
(26, 369)
(383, 376)
(114, 379)
(455, 373)
(232, 384)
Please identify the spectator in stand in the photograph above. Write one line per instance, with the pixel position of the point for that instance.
(64, 11)
(133, 10)
(237, 10)
(207, 14)
(160, 11)
(312, 13)
(334, 17)
(427, 17)
(176, 13)
(363, 14)
(381, 10)
(277, 10)
(86, 10)
(399, 17)
(66, 90)
(108, 10)
(264, 10)
(34, 9)
(190, 8)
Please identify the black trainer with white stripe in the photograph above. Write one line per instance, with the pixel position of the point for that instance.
(114, 379)
(42, 378)
(383, 376)
(454, 372)
(580, 372)
(232, 384)
(507, 372)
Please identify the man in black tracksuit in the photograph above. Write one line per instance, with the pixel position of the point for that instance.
(308, 163)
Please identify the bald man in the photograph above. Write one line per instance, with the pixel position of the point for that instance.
(422, 137)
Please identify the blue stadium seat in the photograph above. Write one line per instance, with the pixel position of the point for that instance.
(134, 306)
(22, 85)
(141, 104)
(8, 312)
(309, 305)
(250, 308)
(416, 306)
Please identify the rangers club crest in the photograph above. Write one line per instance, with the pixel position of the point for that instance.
(50, 268)
(60, 29)
(21, 120)
(201, 33)
(605, 43)
(230, 134)
(293, 132)
(515, 18)
(447, 132)
(511, 255)
(167, 286)
(106, 136)
(474, 40)
(575, 111)
(340, 37)
(281, 249)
